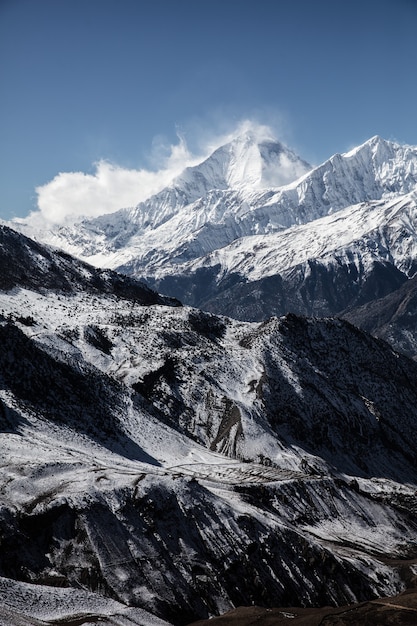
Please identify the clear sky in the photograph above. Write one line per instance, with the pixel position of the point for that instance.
(116, 82)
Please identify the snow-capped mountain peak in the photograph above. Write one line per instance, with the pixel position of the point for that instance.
(247, 161)
(375, 144)
(198, 197)
(392, 166)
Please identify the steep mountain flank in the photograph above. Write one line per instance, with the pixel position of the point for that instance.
(24, 263)
(392, 318)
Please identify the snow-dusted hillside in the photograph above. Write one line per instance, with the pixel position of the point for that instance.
(167, 464)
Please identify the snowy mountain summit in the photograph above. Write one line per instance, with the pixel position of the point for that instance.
(245, 164)
(250, 160)
(208, 196)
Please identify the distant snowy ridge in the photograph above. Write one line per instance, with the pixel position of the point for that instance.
(368, 231)
(237, 192)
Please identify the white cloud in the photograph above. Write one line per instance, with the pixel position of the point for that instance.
(74, 195)
(71, 196)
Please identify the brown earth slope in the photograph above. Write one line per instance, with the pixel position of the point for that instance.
(400, 610)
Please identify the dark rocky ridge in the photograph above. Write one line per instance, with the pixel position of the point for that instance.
(312, 289)
(392, 318)
(27, 264)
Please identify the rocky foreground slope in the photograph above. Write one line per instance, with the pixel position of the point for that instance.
(162, 465)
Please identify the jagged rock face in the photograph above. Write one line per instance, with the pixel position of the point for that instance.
(162, 463)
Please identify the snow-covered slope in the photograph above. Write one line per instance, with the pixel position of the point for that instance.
(343, 235)
(167, 463)
(369, 231)
(321, 268)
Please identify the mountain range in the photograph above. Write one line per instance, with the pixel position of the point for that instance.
(254, 231)
(246, 439)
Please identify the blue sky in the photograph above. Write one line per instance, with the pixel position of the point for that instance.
(118, 81)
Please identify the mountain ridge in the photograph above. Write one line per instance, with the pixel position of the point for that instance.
(24, 263)
(224, 170)
(339, 237)
(376, 159)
